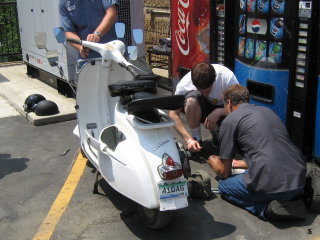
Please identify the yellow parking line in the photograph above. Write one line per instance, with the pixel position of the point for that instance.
(60, 204)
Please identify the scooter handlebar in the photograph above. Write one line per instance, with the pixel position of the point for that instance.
(73, 40)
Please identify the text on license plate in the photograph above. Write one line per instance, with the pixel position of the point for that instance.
(173, 189)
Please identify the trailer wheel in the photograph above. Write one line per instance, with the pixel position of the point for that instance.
(154, 218)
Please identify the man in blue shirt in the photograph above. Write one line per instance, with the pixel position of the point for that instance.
(90, 20)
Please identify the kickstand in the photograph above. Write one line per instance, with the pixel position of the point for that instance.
(96, 183)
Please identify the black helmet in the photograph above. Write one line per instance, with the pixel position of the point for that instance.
(46, 107)
(31, 102)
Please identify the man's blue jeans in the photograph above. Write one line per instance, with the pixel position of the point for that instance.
(235, 191)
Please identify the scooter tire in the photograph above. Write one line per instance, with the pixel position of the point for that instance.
(154, 218)
(88, 163)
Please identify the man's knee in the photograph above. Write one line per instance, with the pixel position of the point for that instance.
(191, 103)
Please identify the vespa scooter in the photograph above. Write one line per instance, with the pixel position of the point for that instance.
(126, 136)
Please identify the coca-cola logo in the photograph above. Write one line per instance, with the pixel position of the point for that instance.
(182, 33)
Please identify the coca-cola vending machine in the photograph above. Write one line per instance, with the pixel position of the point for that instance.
(190, 35)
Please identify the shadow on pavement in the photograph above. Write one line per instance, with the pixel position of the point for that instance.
(193, 222)
(10, 165)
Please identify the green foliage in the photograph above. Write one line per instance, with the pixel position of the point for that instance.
(9, 31)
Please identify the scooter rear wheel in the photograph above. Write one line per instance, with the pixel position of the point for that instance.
(154, 218)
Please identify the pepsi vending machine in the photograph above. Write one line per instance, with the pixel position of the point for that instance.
(316, 147)
(273, 59)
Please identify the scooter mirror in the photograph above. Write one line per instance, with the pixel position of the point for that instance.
(41, 40)
(59, 34)
(138, 35)
(120, 29)
(133, 52)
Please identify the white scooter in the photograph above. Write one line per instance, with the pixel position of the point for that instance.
(127, 137)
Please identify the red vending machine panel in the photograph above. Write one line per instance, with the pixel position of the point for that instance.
(190, 35)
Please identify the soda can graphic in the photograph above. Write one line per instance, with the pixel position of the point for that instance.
(243, 5)
(251, 5)
(249, 52)
(242, 23)
(261, 50)
(263, 6)
(277, 6)
(276, 27)
(275, 52)
(241, 45)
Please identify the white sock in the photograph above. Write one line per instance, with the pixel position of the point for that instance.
(196, 133)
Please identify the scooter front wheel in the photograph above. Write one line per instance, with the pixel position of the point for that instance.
(154, 218)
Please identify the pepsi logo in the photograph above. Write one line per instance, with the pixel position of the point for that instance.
(255, 25)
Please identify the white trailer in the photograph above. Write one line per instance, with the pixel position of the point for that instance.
(42, 16)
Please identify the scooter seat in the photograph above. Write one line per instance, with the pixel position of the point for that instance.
(149, 102)
(127, 88)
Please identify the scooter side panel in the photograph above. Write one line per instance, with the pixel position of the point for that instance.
(136, 160)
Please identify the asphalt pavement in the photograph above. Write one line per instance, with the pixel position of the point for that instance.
(35, 162)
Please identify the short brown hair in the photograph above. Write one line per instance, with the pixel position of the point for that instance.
(236, 93)
(203, 75)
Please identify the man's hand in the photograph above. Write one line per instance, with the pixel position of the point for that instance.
(213, 118)
(84, 52)
(93, 38)
(221, 167)
(193, 145)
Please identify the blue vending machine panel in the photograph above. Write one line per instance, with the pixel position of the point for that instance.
(267, 87)
(264, 51)
(316, 152)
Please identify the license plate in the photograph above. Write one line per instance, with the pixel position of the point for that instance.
(169, 190)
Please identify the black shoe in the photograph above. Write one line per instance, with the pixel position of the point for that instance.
(279, 210)
(315, 190)
(215, 137)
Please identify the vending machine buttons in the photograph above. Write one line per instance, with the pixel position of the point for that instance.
(302, 41)
(301, 63)
(301, 70)
(300, 77)
(303, 25)
(303, 33)
(302, 48)
(302, 56)
(300, 84)
(296, 114)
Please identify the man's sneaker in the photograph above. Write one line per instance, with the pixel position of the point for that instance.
(278, 210)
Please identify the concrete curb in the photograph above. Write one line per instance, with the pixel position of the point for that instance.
(16, 86)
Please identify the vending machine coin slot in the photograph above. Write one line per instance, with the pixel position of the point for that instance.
(260, 91)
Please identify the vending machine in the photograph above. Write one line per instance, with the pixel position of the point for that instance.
(316, 147)
(274, 59)
(190, 35)
(201, 31)
(222, 24)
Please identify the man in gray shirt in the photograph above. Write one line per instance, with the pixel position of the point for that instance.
(276, 170)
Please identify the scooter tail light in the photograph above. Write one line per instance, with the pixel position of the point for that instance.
(169, 169)
(169, 161)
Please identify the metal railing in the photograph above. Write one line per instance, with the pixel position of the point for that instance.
(10, 48)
